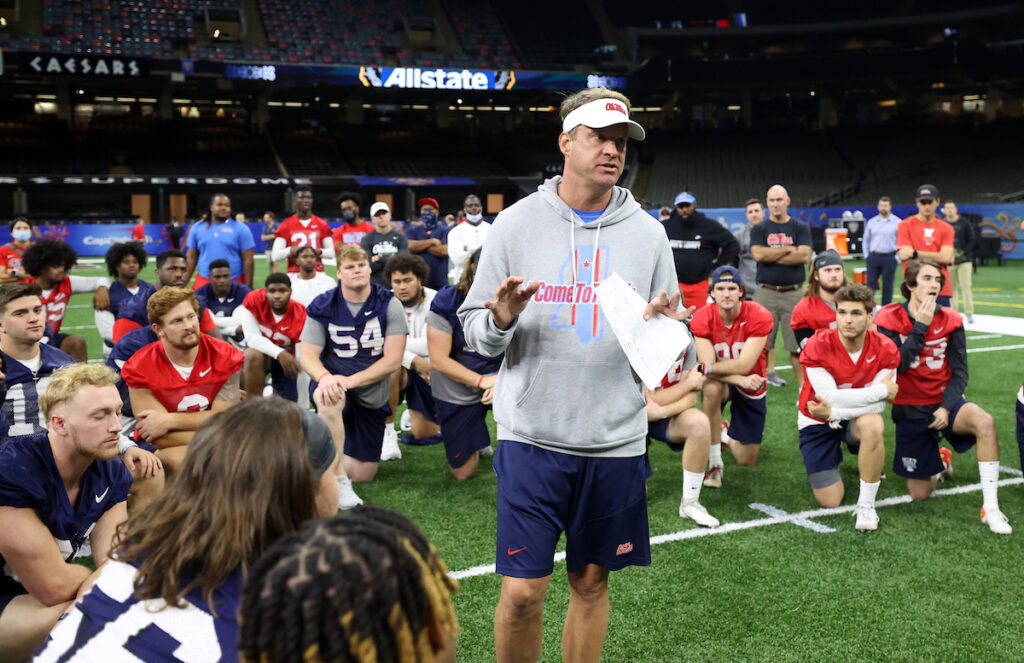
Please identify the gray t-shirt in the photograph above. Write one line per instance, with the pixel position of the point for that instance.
(442, 386)
(372, 395)
(382, 246)
(747, 266)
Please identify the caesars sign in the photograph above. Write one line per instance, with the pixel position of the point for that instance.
(83, 65)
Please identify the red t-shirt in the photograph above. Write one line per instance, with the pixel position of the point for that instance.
(924, 381)
(294, 233)
(139, 232)
(921, 236)
(754, 320)
(284, 332)
(149, 368)
(10, 257)
(812, 313)
(825, 350)
(346, 234)
(55, 305)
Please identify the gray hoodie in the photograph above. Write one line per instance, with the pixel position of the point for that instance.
(565, 384)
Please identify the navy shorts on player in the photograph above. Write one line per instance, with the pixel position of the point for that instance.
(364, 430)
(819, 445)
(600, 504)
(10, 589)
(1020, 431)
(463, 430)
(284, 386)
(746, 418)
(917, 446)
(658, 430)
(418, 396)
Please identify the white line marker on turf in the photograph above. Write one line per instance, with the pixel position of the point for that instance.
(980, 337)
(1009, 470)
(698, 532)
(802, 522)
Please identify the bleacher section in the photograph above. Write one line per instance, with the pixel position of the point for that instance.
(565, 37)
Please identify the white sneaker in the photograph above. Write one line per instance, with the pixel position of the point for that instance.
(347, 498)
(389, 449)
(724, 437)
(487, 451)
(996, 521)
(697, 513)
(713, 477)
(405, 423)
(867, 518)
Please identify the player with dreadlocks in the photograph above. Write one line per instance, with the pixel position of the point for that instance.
(362, 586)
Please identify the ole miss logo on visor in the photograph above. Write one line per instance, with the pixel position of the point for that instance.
(612, 106)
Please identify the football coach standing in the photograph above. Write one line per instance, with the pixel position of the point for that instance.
(570, 411)
(699, 245)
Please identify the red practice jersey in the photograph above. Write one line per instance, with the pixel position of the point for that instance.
(346, 234)
(812, 314)
(10, 257)
(675, 374)
(56, 304)
(931, 237)
(825, 350)
(294, 233)
(283, 333)
(149, 368)
(925, 379)
(754, 320)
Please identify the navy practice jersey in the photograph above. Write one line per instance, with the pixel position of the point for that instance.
(111, 624)
(354, 342)
(445, 304)
(29, 479)
(120, 294)
(123, 350)
(221, 309)
(21, 406)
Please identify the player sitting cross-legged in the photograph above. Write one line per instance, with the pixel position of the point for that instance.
(849, 374)
(933, 376)
(673, 419)
(272, 322)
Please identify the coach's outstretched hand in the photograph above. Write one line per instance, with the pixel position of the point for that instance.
(668, 306)
(510, 300)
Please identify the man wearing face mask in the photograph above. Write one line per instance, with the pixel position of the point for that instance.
(354, 228)
(429, 240)
(466, 237)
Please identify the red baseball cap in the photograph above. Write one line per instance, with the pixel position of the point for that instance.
(428, 201)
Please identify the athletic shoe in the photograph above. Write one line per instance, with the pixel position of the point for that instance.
(713, 478)
(947, 464)
(970, 317)
(405, 423)
(867, 518)
(487, 451)
(697, 513)
(725, 433)
(389, 449)
(774, 380)
(347, 498)
(996, 521)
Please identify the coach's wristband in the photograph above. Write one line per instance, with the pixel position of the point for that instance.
(124, 444)
(480, 382)
(322, 376)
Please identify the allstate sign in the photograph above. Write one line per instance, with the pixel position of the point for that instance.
(436, 79)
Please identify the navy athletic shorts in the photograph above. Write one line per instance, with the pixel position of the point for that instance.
(658, 430)
(917, 446)
(418, 396)
(746, 418)
(600, 504)
(1020, 430)
(284, 386)
(364, 430)
(819, 445)
(463, 430)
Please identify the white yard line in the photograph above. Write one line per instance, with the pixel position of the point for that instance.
(698, 532)
(807, 523)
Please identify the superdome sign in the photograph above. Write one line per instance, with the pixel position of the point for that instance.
(436, 79)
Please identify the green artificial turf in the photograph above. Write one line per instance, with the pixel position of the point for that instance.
(932, 584)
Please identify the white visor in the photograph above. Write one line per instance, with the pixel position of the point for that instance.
(602, 113)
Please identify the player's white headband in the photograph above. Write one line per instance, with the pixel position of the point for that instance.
(602, 113)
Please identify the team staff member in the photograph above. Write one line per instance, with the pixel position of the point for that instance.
(962, 269)
(699, 246)
(429, 240)
(384, 242)
(467, 236)
(220, 236)
(932, 377)
(880, 242)
(747, 265)
(570, 460)
(923, 235)
(781, 246)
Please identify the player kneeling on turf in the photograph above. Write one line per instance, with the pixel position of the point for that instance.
(848, 377)
(673, 419)
(272, 322)
(462, 381)
(933, 376)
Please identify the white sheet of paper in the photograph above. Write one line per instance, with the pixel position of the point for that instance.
(652, 346)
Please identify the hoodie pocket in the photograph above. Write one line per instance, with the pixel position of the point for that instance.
(580, 403)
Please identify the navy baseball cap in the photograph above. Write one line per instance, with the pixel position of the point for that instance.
(726, 273)
(927, 192)
(685, 198)
(827, 258)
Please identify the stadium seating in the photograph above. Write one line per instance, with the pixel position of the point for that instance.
(552, 43)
